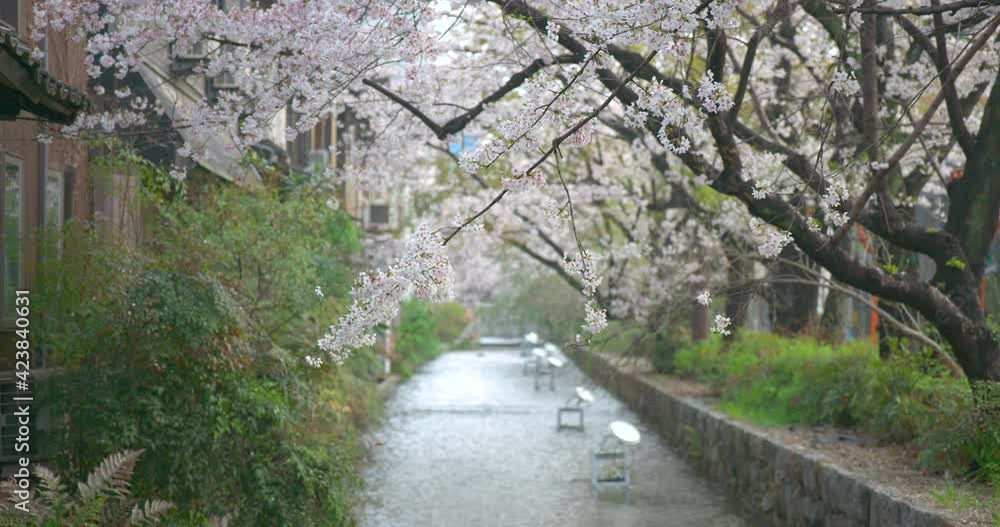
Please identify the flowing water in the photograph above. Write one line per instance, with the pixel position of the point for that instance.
(468, 442)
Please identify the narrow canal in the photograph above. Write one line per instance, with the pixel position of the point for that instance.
(467, 441)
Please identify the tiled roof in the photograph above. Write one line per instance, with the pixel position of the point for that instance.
(63, 93)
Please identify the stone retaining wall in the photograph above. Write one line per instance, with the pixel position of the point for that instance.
(771, 481)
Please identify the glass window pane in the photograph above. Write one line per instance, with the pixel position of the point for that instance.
(54, 199)
(8, 13)
(378, 214)
(12, 233)
(54, 213)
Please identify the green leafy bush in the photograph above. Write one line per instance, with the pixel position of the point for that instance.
(271, 252)
(190, 348)
(618, 338)
(103, 498)
(772, 379)
(702, 360)
(417, 338)
(452, 318)
(973, 444)
(662, 347)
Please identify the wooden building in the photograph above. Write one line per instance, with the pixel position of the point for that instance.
(43, 182)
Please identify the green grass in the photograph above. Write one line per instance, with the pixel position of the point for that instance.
(772, 380)
(952, 496)
(908, 397)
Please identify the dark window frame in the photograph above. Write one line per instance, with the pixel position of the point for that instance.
(7, 320)
(384, 212)
(61, 175)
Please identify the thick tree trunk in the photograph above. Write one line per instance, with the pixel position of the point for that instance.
(699, 322)
(833, 322)
(974, 202)
(972, 214)
(793, 305)
(834, 317)
(977, 351)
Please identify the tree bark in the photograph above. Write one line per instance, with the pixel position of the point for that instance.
(793, 304)
(834, 317)
(949, 301)
(699, 322)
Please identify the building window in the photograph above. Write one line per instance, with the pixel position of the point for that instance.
(55, 212)
(10, 232)
(328, 131)
(317, 135)
(9, 13)
(378, 215)
(8, 419)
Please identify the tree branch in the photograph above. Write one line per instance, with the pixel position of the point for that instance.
(459, 122)
(933, 9)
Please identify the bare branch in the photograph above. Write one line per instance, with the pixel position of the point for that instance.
(933, 9)
(555, 145)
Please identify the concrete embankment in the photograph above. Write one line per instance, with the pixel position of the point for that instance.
(772, 481)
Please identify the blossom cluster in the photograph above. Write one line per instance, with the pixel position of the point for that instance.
(670, 110)
(596, 318)
(524, 182)
(830, 203)
(423, 270)
(845, 84)
(704, 298)
(271, 53)
(582, 267)
(722, 324)
(714, 96)
(771, 241)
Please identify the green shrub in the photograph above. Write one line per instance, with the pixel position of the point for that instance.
(618, 338)
(702, 360)
(451, 318)
(772, 379)
(103, 498)
(271, 252)
(190, 348)
(971, 443)
(662, 347)
(775, 379)
(417, 337)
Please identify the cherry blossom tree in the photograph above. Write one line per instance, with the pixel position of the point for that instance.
(862, 113)
(626, 144)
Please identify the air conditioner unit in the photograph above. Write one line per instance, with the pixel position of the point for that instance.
(224, 81)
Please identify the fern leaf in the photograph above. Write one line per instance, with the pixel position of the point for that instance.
(117, 512)
(15, 519)
(89, 512)
(112, 476)
(49, 486)
(7, 488)
(220, 521)
(150, 513)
